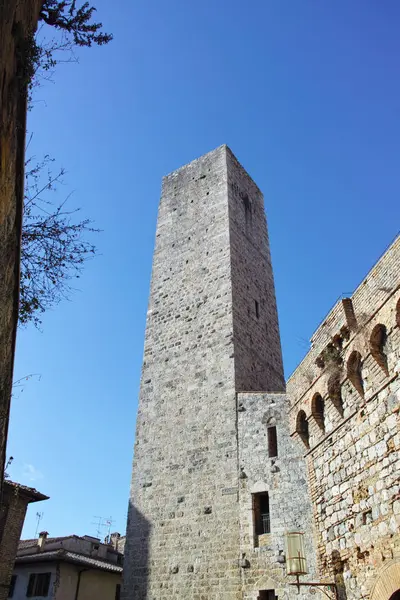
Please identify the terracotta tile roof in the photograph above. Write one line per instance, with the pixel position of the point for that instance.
(72, 557)
(34, 541)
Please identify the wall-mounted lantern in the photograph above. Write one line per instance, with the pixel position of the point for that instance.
(296, 565)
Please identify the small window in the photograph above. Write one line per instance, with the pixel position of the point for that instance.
(261, 514)
(398, 314)
(38, 584)
(266, 595)
(257, 307)
(302, 427)
(247, 210)
(118, 591)
(272, 442)
(12, 586)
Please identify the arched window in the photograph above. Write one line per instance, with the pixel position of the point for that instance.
(302, 427)
(354, 371)
(398, 314)
(335, 392)
(376, 344)
(317, 410)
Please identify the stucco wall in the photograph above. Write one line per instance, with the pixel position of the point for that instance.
(94, 584)
(23, 573)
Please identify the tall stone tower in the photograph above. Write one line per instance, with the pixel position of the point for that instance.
(212, 332)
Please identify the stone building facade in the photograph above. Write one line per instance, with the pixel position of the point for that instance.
(217, 478)
(344, 409)
(14, 504)
(226, 461)
(67, 568)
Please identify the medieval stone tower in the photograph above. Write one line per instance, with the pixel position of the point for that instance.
(216, 478)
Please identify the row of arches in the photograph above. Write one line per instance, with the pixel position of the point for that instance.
(377, 348)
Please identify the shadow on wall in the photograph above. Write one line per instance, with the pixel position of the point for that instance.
(136, 567)
(338, 568)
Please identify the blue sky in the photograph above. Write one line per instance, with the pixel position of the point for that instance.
(306, 94)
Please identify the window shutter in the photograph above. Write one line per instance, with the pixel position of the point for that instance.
(31, 583)
(46, 583)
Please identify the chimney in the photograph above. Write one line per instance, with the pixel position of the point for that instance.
(42, 540)
(114, 537)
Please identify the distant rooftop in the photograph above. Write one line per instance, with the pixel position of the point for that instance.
(72, 557)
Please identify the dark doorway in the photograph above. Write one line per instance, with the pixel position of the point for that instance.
(395, 596)
(268, 595)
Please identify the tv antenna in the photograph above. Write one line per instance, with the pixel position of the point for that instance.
(39, 517)
(103, 523)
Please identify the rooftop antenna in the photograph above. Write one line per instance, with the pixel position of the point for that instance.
(108, 523)
(98, 523)
(39, 517)
(101, 524)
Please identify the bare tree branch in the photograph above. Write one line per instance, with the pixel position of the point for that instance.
(54, 244)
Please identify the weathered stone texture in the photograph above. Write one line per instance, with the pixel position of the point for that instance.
(354, 459)
(12, 515)
(211, 264)
(258, 357)
(17, 21)
(285, 479)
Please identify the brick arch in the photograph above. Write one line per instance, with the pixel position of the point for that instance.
(335, 391)
(354, 364)
(267, 583)
(318, 410)
(302, 427)
(387, 582)
(376, 345)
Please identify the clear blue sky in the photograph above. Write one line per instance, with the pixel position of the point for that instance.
(306, 94)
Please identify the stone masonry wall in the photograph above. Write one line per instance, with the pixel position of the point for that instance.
(258, 356)
(17, 20)
(184, 486)
(354, 446)
(183, 536)
(284, 478)
(12, 520)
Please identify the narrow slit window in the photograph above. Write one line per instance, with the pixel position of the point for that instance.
(261, 514)
(272, 442)
(257, 307)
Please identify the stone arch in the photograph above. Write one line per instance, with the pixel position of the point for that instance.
(335, 392)
(267, 583)
(377, 342)
(387, 582)
(302, 427)
(318, 410)
(354, 364)
(259, 487)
